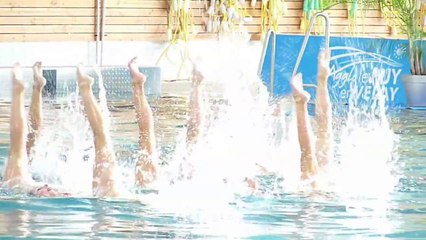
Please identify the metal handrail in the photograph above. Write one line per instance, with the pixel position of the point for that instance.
(103, 14)
(308, 33)
(98, 29)
(272, 77)
(270, 34)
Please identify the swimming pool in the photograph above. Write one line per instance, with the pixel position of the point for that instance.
(203, 213)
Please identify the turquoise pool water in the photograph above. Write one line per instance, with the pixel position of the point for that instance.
(271, 215)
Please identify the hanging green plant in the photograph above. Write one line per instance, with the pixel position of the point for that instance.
(354, 7)
(226, 16)
(180, 26)
(352, 15)
(422, 16)
(180, 30)
(271, 12)
(310, 7)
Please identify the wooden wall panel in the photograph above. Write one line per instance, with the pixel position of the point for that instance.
(47, 20)
(132, 20)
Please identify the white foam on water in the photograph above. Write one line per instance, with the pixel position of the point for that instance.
(364, 175)
(102, 99)
(239, 137)
(64, 153)
(367, 147)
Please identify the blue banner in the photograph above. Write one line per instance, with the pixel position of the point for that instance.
(362, 69)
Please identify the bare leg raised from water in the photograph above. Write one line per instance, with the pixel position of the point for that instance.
(17, 166)
(308, 160)
(196, 113)
(323, 112)
(146, 169)
(17, 170)
(103, 184)
(35, 116)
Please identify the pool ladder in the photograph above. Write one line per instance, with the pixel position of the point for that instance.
(308, 34)
(272, 34)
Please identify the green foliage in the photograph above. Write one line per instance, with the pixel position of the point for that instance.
(408, 16)
(180, 24)
(310, 7)
(366, 4)
(271, 11)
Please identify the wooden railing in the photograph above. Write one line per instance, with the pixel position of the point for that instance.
(131, 20)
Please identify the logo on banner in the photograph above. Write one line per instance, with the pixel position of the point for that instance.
(363, 75)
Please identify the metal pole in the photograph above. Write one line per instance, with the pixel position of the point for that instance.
(270, 34)
(102, 31)
(273, 50)
(262, 57)
(98, 29)
(308, 33)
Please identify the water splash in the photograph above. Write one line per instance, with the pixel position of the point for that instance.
(246, 135)
(65, 150)
(103, 99)
(366, 152)
(239, 137)
(70, 150)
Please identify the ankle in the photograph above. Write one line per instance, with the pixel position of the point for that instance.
(85, 88)
(138, 86)
(301, 102)
(196, 85)
(18, 88)
(37, 87)
(322, 78)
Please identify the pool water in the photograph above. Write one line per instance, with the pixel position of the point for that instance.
(271, 214)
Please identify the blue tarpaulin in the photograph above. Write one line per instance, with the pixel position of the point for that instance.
(362, 68)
